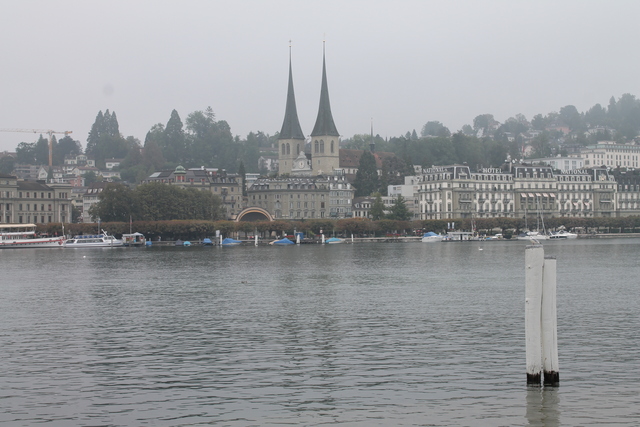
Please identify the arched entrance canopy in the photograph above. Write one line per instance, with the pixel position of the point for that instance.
(254, 214)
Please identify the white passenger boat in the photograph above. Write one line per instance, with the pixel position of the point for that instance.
(93, 241)
(24, 236)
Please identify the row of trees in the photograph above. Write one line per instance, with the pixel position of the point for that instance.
(37, 153)
(156, 202)
(204, 141)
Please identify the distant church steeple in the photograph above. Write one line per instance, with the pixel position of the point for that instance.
(372, 143)
(324, 122)
(291, 138)
(325, 137)
(291, 125)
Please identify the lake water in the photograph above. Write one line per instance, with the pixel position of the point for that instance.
(357, 335)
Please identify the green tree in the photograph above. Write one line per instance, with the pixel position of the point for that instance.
(104, 140)
(251, 150)
(541, 146)
(435, 128)
(366, 181)
(538, 122)
(89, 178)
(174, 141)
(67, 146)
(41, 151)
(399, 210)
(116, 204)
(570, 117)
(210, 142)
(26, 153)
(596, 116)
(152, 157)
(484, 122)
(467, 130)
(7, 164)
(159, 202)
(377, 208)
(394, 169)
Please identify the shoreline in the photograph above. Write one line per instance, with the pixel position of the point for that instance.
(399, 239)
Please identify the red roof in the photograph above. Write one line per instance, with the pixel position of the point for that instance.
(351, 158)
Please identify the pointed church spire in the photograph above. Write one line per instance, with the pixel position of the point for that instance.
(324, 122)
(291, 126)
(372, 144)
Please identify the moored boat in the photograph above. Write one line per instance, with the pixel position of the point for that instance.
(431, 237)
(230, 242)
(333, 241)
(532, 235)
(563, 234)
(24, 236)
(282, 242)
(134, 239)
(103, 240)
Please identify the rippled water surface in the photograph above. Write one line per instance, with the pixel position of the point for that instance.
(358, 335)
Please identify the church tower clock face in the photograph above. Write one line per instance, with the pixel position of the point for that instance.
(300, 164)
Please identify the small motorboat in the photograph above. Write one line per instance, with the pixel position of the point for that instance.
(207, 242)
(563, 234)
(333, 241)
(431, 237)
(282, 242)
(230, 242)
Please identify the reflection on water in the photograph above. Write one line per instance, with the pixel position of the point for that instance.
(365, 334)
(542, 407)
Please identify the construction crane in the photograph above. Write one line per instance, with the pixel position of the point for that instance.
(41, 131)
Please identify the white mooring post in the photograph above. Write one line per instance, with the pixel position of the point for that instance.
(256, 239)
(534, 263)
(540, 317)
(550, 365)
(323, 239)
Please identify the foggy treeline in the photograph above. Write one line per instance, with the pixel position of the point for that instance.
(202, 140)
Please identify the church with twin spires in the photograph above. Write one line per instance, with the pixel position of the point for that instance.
(310, 184)
(324, 158)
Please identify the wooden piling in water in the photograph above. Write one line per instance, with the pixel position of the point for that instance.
(541, 325)
(534, 263)
(550, 364)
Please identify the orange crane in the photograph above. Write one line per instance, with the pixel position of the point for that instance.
(41, 131)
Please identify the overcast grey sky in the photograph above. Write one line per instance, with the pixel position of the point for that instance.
(402, 63)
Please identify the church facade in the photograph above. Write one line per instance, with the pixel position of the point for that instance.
(311, 183)
(324, 152)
